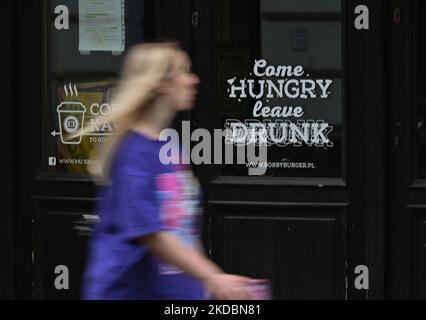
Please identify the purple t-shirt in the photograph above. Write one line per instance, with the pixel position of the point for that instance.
(143, 197)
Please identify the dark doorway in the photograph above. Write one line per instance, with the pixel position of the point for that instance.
(406, 132)
(304, 227)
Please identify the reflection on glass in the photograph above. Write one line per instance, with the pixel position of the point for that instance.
(288, 34)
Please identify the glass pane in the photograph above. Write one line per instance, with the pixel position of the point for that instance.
(78, 83)
(281, 67)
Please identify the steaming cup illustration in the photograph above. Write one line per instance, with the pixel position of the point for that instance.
(71, 121)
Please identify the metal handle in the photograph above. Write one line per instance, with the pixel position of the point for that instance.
(195, 19)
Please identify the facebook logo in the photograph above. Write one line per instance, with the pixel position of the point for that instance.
(52, 161)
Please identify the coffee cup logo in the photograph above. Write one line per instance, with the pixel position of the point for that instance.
(73, 115)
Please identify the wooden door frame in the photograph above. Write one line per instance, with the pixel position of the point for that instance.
(365, 105)
(7, 159)
(405, 191)
(16, 222)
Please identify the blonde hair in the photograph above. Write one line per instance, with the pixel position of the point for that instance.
(146, 67)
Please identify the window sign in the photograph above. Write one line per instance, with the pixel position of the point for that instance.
(275, 84)
(101, 26)
(79, 104)
(280, 81)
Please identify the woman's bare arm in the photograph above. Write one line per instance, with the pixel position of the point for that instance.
(170, 249)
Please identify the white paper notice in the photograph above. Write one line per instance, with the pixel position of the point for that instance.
(102, 26)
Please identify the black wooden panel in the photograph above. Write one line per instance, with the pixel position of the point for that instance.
(66, 240)
(7, 161)
(365, 114)
(174, 21)
(62, 232)
(300, 249)
(274, 193)
(417, 192)
(419, 246)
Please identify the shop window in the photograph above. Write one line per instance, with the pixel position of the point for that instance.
(81, 65)
(283, 36)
